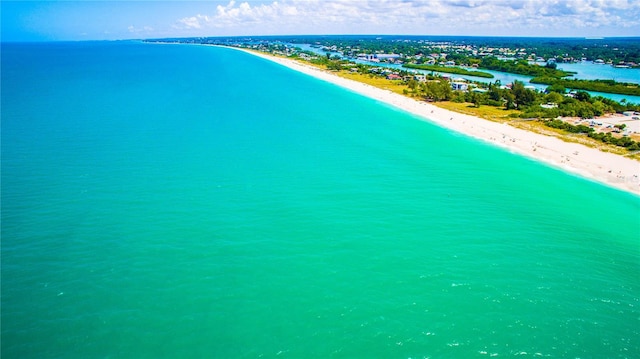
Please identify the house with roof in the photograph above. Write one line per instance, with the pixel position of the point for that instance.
(459, 86)
(420, 77)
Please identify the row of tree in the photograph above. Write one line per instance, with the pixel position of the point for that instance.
(450, 70)
(434, 89)
(522, 67)
(608, 86)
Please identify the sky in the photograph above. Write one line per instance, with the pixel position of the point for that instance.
(117, 20)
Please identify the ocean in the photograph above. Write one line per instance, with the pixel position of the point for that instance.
(178, 201)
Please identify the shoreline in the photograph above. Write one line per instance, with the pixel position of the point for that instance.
(603, 167)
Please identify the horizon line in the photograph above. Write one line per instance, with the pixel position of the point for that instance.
(331, 35)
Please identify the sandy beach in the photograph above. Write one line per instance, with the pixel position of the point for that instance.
(607, 168)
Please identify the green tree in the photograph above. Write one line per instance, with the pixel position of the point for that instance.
(599, 108)
(510, 103)
(494, 92)
(479, 98)
(553, 97)
(522, 95)
(582, 96)
(584, 110)
(412, 84)
(557, 88)
(437, 90)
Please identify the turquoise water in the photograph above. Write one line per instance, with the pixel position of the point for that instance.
(590, 71)
(183, 201)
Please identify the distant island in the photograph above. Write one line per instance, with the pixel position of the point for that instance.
(449, 69)
(607, 86)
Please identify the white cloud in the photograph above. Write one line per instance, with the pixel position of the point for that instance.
(134, 30)
(463, 17)
(192, 22)
(244, 13)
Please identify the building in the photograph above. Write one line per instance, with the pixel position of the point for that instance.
(378, 57)
(459, 86)
(420, 78)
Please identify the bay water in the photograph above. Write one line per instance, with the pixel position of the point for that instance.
(584, 70)
(185, 201)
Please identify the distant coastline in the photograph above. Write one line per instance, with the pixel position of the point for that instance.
(607, 168)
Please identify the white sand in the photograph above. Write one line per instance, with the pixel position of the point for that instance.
(607, 168)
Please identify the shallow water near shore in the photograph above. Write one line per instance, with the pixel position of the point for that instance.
(189, 201)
